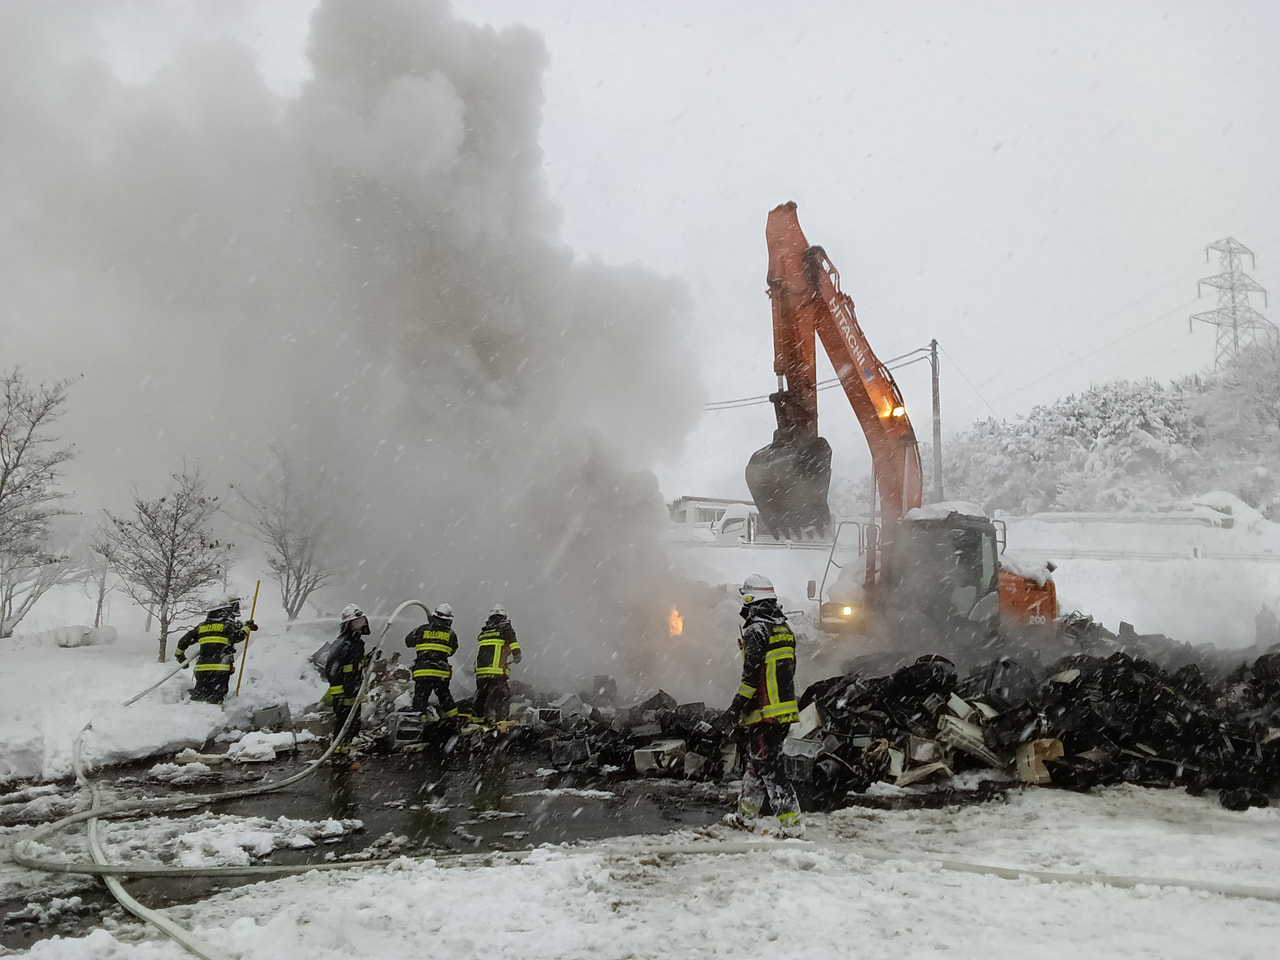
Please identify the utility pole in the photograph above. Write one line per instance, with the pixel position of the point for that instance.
(1238, 324)
(937, 424)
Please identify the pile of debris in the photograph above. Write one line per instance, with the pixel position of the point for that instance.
(1105, 713)
(585, 733)
(1083, 721)
(658, 737)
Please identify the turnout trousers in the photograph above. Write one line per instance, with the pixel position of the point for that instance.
(765, 775)
(211, 686)
(493, 698)
(342, 707)
(424, 687)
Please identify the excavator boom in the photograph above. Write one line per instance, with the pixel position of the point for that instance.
(790, 477)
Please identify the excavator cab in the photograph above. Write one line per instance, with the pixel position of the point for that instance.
(941, 578)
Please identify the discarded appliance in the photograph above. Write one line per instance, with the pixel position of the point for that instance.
(662, 758)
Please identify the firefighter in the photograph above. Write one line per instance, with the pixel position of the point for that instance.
(765, 705)
(435, 642)
(344, 670)
(216, 636)
(498, 649)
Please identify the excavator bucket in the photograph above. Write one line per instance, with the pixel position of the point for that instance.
(789, 480)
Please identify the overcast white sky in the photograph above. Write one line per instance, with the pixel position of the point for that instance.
(1033, 184)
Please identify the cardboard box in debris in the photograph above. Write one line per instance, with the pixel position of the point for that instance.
(1106, 716)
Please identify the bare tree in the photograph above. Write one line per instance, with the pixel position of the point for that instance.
(165, 554)
(27, 573)
(98, 571)
(29, 468)
(289, 517)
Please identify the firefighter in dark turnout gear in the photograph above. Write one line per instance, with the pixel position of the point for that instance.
(498, 649)
(765, 705)
(435, 643)
(344, 670)
(216, 638)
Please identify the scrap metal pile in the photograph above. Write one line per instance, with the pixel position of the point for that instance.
(1105, 713)
(1083, 721)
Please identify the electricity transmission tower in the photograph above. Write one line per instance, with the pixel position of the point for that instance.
(1239, 325)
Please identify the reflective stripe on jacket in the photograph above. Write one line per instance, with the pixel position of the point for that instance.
(497, 645)
(435, 642)
(345, 666)
(216, 640)
(768, 676)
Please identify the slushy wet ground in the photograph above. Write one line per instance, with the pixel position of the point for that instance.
(416, 804)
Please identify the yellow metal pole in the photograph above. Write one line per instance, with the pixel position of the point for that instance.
(244, 655)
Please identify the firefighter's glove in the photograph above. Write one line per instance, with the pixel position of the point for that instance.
(185, 663)
(516, 658)
(327, 699)
(251, 625)
(726, 722)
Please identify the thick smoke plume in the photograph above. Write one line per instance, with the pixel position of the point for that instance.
(366, 271)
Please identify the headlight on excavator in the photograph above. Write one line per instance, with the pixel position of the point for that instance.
(847, 611)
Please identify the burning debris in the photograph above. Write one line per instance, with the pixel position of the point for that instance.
(1107, 713)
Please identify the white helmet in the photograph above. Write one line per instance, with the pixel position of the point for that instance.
(225, 603)
(756, 588)
(444, 611)
(350, 612)
(498, 610)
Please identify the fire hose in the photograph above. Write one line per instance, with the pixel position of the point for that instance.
(112, 872)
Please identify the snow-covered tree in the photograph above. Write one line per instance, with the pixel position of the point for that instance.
(30, 464)
(1238, 408)
(292, 519)
(165, 553)
(1121, 445)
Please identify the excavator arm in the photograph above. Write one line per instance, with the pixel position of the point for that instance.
(790, 478)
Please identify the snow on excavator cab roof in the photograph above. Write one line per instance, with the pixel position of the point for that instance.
(943, 509)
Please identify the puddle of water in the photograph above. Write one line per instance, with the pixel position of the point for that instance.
(457, 806)
(440, 805)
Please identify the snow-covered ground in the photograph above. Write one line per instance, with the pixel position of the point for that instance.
(866, 883)
(864, 886)
(50, 692)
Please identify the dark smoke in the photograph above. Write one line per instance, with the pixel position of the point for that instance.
(368, 272)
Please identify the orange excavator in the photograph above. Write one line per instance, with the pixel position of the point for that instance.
(928, 570)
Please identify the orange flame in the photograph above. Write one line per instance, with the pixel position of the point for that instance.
(676, 625)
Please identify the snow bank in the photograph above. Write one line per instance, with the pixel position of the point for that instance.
(51, 692)
(77, 635)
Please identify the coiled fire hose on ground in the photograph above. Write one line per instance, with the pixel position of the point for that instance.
(112, 872)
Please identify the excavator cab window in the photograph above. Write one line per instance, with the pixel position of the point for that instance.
(944, 568)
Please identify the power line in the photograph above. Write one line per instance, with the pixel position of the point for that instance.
(960, 370)
(827, 384)
(1096, 350)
